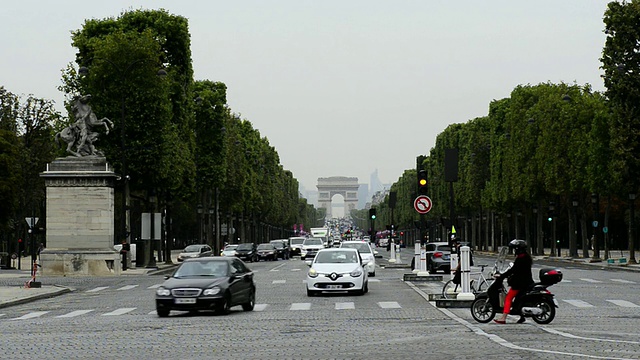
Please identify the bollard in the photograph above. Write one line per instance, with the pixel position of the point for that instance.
(416, 258)
(465, 270)
(423, 262)
(392, 256)
(398, 259)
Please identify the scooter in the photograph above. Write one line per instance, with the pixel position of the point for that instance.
(536, 302)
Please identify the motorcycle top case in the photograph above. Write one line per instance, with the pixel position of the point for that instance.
(550, 276)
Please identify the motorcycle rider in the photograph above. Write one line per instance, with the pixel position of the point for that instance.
(518, 277)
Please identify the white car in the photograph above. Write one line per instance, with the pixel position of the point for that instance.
(367, 254)
(229, 250)
(296, 244)
(310, 247)
(193, 251)
(337, 269)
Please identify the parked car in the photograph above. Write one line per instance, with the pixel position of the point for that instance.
(267, 252)
(247, 251)
(366, 253)
(229, 250)
(337, 269)
(296, 244)
(193, 251)
(207, 283)
(282, 247)
(383, 242)
(438, 257)
(310, 247)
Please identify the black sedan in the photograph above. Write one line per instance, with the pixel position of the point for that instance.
(247, 251)
(207, 283)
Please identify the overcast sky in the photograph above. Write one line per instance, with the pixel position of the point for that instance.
(340, 88)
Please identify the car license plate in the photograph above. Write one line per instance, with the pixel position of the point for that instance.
(446, 257)
(334, 286)
(185, 301)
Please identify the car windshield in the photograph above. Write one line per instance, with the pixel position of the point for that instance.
(265, 247)
(336, 257)
(362, 247)
(246, 246)
(313, 241)
(192, 248)
(202, 268)
(230, 247)
(278, 244)
(296, 241)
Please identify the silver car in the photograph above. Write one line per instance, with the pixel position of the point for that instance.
(366, 253)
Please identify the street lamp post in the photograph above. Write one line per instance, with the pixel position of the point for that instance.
(632, 227)
(573, 239)
(596, 215)
(200, 210)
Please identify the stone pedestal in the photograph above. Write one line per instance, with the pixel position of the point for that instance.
(80, 218)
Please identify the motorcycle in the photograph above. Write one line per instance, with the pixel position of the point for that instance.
(536, 302)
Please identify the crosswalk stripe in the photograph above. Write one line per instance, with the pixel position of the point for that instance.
(591, 281)
(623, 281)
(279, 281)
(578, 303)
(295, 269)
(31, 315)
(300, 306)
(389, 305)
(374, 280)
(260, 307)
(128, 287)
(624, 303)
(120, 311)
(74, 313)
(345, 306)
(154, 286)
(97, 289)
(1, 315)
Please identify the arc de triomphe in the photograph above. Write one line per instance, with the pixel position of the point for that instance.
(345, 186)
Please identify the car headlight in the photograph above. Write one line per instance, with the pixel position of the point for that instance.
(313, 273)
(163, 292)
(356, 273)
(212, 291)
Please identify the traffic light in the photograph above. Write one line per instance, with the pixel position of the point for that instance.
(423, 183)
(372, 213)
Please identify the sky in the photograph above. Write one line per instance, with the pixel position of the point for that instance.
(339, 87)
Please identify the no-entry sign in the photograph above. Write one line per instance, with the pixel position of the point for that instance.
(422, 204)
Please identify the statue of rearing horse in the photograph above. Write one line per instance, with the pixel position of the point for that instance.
(79, 135)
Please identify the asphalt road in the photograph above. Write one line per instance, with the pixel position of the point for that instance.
(114, 318)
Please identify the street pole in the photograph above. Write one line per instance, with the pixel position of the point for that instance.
(632, 226)
(596, 214)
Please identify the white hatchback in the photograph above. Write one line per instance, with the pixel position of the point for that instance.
(336, 269)
(367, 254)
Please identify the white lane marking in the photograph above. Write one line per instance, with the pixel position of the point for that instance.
(153, 313)
(374, 280)
(74, 313)
(2, 315)
(97, 289)
(300, 306)
(389, 305)
(591, 281)
(128, 287)
(624, 303)
(571, 336)
(623, 281)
(31, 315)
(295, 269)
(279, 281)
(260, 307)
(120, 311)
(345, 306)
(578, 303)
(154, 286)
(278, 267)
(500, 341)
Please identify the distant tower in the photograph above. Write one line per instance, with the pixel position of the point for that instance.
(375, 184)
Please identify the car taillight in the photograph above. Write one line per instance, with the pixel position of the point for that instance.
(437, 254)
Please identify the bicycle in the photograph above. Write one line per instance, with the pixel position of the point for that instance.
(450, 290)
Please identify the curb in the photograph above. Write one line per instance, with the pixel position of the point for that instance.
(62, 290)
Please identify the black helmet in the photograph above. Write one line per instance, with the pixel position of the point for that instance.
(520, 246)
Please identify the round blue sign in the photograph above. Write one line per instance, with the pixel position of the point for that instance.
(595, 224)
(605, 229)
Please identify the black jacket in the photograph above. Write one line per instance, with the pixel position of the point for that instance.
(519, 276)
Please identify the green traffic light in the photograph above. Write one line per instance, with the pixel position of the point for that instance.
(373, 217)
(550, 219)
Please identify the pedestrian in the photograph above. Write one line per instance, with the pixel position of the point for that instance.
(518, 277)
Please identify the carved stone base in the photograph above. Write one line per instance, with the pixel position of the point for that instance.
(80, 262)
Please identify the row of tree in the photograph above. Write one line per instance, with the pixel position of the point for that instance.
(181, 148)
(555, 164)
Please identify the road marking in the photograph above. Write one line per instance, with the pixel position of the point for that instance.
(279, 281)
(300, 306)
(74, 313)
(578, 303)
(591, 281)
(374, 280)
(295, 269)
(277, 267)
(97, 289)
(31, 315)
(260, 307)
(623, 303)
(345, 306)
(120, 311)
(128, 287)
(154, 286)
(153, 313)
(1, 315)
(389, 305)
(623, 281)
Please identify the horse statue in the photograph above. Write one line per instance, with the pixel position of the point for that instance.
(80, 134)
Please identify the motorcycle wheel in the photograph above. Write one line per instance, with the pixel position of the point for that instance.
(482, 311)
(548, 312)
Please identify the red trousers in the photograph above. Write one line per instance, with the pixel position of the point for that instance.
(507, 301)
